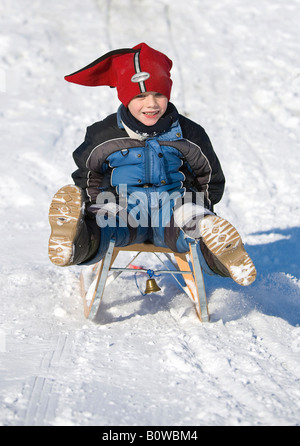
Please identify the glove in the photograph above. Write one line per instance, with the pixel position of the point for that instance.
(106, 209)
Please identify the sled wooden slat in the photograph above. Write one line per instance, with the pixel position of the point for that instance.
(103, 273)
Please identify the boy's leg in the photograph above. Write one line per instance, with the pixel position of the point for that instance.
(78, 239)
(221, 246)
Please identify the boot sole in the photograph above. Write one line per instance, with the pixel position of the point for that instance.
(223, 240)
(65, 217)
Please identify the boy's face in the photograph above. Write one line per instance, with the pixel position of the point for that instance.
(148, 107)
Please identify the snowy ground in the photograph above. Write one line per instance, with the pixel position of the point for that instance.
(237, 72)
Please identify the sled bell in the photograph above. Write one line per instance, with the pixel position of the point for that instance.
(151, 286)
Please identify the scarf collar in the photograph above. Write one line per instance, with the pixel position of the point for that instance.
(162, 125)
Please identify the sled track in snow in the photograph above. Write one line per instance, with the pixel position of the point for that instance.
(41, 392)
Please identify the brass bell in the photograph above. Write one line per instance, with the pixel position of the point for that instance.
(151, 286)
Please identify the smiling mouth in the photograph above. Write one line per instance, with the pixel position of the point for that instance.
(151, 113)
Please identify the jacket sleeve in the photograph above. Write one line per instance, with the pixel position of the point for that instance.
(92, 181)
(206, 167)
(81, 176)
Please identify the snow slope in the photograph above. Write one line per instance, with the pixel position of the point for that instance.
(237, 72)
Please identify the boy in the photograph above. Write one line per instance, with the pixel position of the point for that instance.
(145, 173)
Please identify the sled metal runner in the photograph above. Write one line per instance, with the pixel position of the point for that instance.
(187, 274)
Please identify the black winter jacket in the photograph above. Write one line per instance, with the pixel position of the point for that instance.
(200, 165)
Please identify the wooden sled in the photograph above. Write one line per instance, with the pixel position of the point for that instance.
(96, 277)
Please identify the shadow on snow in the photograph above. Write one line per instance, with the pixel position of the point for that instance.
(276, 291)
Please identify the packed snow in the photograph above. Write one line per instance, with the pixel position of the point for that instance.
(151, 362)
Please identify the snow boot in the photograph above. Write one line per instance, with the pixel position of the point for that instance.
(70, 241)
(224, 252)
